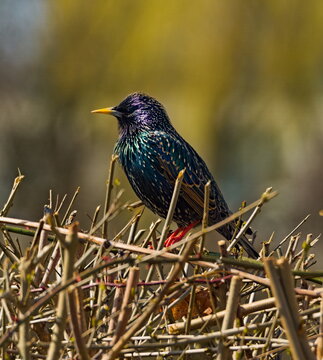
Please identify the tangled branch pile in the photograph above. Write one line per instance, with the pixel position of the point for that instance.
(73, 294)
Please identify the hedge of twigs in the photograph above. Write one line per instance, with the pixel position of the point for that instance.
(74, 294)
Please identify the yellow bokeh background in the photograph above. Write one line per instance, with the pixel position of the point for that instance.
(241, 80)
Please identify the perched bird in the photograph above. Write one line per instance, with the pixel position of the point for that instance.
(152, 153)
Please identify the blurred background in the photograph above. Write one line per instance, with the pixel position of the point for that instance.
(241, 80)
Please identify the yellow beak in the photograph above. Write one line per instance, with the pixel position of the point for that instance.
(108, 111)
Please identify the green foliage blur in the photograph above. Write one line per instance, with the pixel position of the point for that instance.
(241, 81)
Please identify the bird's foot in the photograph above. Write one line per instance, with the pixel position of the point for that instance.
(178, 234)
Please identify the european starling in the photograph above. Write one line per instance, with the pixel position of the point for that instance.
(152, 153)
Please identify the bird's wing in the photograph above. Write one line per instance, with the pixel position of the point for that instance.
(174, 154)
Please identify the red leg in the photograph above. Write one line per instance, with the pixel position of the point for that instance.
(178, 234)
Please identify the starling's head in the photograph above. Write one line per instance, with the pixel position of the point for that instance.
(138, 112)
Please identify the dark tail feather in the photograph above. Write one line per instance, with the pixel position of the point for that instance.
(228, 230)
(247, 246)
